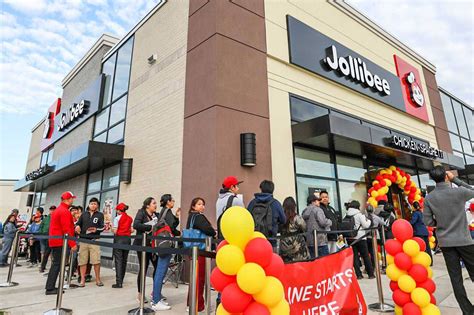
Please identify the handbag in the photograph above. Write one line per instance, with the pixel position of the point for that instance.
(162, 229)
(194, 233)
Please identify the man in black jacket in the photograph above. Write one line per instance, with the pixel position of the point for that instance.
(335, 218)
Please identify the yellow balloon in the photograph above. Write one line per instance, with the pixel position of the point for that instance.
(380, 192)
(251, 278)
(385, 190)
(420, 297)
(418, 191)
(411, 248)
(374, 193)
(422, 258)
(388, 182)
(432, 239)
(374, 203)
(417, 197)
(383, 172)
(237, 226)
(398, 310)
(282, 308)
(406, 283)
(258, 234)
(431, 309)
(432, 245)
(430, 272)
(393, 273)
(375, 182)
(393, 168)
(230, 259)
(390, 259)
(221, 310)
(412, 184)
(271, 294)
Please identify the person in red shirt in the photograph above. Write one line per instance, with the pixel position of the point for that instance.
(122, 228)
(61, 224)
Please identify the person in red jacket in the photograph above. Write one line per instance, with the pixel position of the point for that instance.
(61, 224)
(122, 228)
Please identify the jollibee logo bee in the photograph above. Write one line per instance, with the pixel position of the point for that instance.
(415, 90)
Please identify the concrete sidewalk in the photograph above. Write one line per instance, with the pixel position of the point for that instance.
(28, 297)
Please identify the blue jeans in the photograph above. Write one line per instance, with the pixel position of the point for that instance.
(472, 234)
(7, 246)
(323, 250)
(161, 268)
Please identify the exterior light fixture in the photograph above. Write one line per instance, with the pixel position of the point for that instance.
(126, 171)
(248, 149)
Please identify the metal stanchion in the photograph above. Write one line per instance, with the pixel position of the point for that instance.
(315, 236)
(58, 310)
(142, 309)
(207, 288)
(384, 254)
(70, 285)
(278, 244)
(380, 306)
(9, 283)
(193, 282)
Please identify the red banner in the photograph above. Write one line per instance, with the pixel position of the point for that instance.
(324, 286)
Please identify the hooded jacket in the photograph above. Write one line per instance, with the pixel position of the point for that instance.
(316, 220)
(222, 201)
(278, 215)
(334, 216)
(361, 222)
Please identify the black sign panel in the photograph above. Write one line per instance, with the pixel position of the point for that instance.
(320, 54)
(75, 113)
(410, 145)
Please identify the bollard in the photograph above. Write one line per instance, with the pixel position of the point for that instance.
(278, 244)
(380, 306)
(207, 288)
(142, 309)
(193, 281)
(384, 254)
(9, 283)
(315, 236)
(58, 310)
(70, 285)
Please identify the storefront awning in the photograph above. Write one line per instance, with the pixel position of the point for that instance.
(333, 132)
(88, 157)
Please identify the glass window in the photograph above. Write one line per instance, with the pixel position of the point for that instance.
(469, 160)
(346, 117)
(50, 156)
(352, 191)
(303, 110)
(316, 163)
(101, 121)
(111, 177)
(449, 113)
(44, 158)
(118, 111)
(94, 183)
(109, 200)
(304, 185)
(42, 200)
(108, 69)
(37, 199)
(376, 127)
(460, 119)
(101, 138)
(116, 133)
(455, 142)
(469, 114)
(425, 180)
(350, 168)
(466, 145)
(122, 71)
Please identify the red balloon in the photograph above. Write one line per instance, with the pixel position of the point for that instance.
(393, 178)
(412, 309)
(221, 244)
(432, 299)
(383, 183)
(411, 195)
(371, 189)
(403, 261)
(406, 188)
(418, 273)
(421, 243)
(377, 186)
(407, 176)
(256, 308)
(408, 183)
(401, 298)
(394, 286)
(235, 300)
(402, 173)
(220, 280)
(384, 197)
(379, 178)
(275, 268)
(429, 285)
(402, 230)
(430, 233)
(413, 189)
(259, 251)
(393, 247)
(378, 198)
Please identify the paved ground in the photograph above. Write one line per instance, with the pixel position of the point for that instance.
(28, 297)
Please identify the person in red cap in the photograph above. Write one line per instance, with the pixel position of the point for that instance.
(122, 228)
(61, 224)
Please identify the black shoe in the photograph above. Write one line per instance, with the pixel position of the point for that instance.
(360, 277)
(88, 278)
(52, 292)
(116, 286)
(372, 277)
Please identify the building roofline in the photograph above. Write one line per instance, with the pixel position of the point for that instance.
(8, 180)
(455, 97)
(104, 40)
(38, 124)
(134, 29)
(362, 19)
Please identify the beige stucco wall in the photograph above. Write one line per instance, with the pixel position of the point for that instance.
(155, 110)
(8, 198)
(284, 78)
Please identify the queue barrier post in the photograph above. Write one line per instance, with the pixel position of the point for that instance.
(384, 254)
(142, 309)
(193, 281)
(278, 244)
(316, 245)
(58, 310)
(70, 285)
(9, 283)
(207, 288)
(380, 306)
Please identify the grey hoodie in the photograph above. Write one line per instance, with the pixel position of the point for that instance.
(361, 222)
(222, 202)
(316, 220)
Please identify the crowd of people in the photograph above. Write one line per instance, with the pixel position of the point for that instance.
(291, 233)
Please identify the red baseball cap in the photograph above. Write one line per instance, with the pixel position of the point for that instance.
(230, 181)
(67, 195)
(121, 207)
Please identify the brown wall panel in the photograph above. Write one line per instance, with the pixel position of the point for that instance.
(444, 143)
(195, 5)
(440, 121)
(257, 7)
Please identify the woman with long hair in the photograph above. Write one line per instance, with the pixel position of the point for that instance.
(9, 231)
(172, 220)
(419, 228)
(293, 246)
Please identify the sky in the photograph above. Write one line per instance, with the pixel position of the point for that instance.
(42, 40)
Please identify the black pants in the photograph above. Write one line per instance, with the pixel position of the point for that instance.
(35, 252)
(452, 257)
(55, 266)
(361, 248)
(45, 258)
(120, 257)
(148, 258)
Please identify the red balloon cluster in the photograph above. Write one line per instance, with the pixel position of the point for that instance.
(409, 271)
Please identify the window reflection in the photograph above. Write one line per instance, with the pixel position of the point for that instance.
(122, 71)
(316, 163)
(303, 110)
(304, 185)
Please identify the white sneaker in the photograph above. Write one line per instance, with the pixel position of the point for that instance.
(160, 306)
(164, 302)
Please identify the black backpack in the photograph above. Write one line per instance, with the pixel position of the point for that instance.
(227, 206)
(263, 217)
(348, 223)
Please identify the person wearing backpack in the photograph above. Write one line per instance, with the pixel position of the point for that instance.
(228, 197)
(335, 218)
(376, 222)
(316, 220)
(293, 244)
(388, 215)
(266, 211)
(44, 229)
(359, 222)
(172, 220)
(197, 220)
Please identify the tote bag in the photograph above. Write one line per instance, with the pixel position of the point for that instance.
(194, 233)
